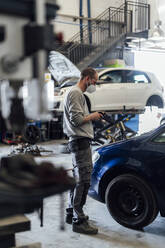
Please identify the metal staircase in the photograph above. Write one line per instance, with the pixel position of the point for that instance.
(106, 31)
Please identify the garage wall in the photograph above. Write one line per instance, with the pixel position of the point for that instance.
(154, 11)
(151, 61)
(72, 6)
(70, 26)
(160, 6)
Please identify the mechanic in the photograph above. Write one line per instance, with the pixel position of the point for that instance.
(77, 125)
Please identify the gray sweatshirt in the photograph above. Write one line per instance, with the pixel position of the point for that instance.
(75, 109)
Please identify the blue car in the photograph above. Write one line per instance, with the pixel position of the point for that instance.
(129, 176)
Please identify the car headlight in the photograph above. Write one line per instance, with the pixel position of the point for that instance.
(95, 157)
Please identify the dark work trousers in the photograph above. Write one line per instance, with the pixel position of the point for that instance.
(82, 168)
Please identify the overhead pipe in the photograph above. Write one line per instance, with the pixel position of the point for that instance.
(81, 20)
(89, 21)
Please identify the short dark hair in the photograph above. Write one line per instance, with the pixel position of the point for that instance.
(89, 71)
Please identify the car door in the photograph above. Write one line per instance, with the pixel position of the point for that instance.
(154, 155)
(109, 94)
(137, 85)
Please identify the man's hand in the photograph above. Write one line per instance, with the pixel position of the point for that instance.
(93, 117)
(96, 116)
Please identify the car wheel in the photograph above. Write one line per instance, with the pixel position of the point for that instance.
(131, 201)
(32, 134)
(155, 101)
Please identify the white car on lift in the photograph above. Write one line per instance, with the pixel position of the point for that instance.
(117, 88)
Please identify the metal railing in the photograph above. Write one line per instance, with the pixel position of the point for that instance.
(107, 28)
(140, 13)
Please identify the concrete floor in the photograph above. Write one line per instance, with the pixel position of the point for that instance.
(111, 234)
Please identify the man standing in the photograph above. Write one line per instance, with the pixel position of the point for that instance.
(77, 125)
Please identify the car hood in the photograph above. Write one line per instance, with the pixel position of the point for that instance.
(115, 146)
(130, 143)
(62, 68)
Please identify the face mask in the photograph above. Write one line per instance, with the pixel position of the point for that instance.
(91, 88)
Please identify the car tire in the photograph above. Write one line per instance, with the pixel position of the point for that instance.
(31, 134)
(131, 202)
(155, 101)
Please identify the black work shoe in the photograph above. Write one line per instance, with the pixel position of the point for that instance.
(69, 216)
(84, 227)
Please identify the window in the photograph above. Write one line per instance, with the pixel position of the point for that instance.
(160, 138)
(136, 77)
(112, 76)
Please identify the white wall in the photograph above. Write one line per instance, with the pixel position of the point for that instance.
(98, 6)
(161, 12)
(157, 12)
(154, 11)
(151, 61)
